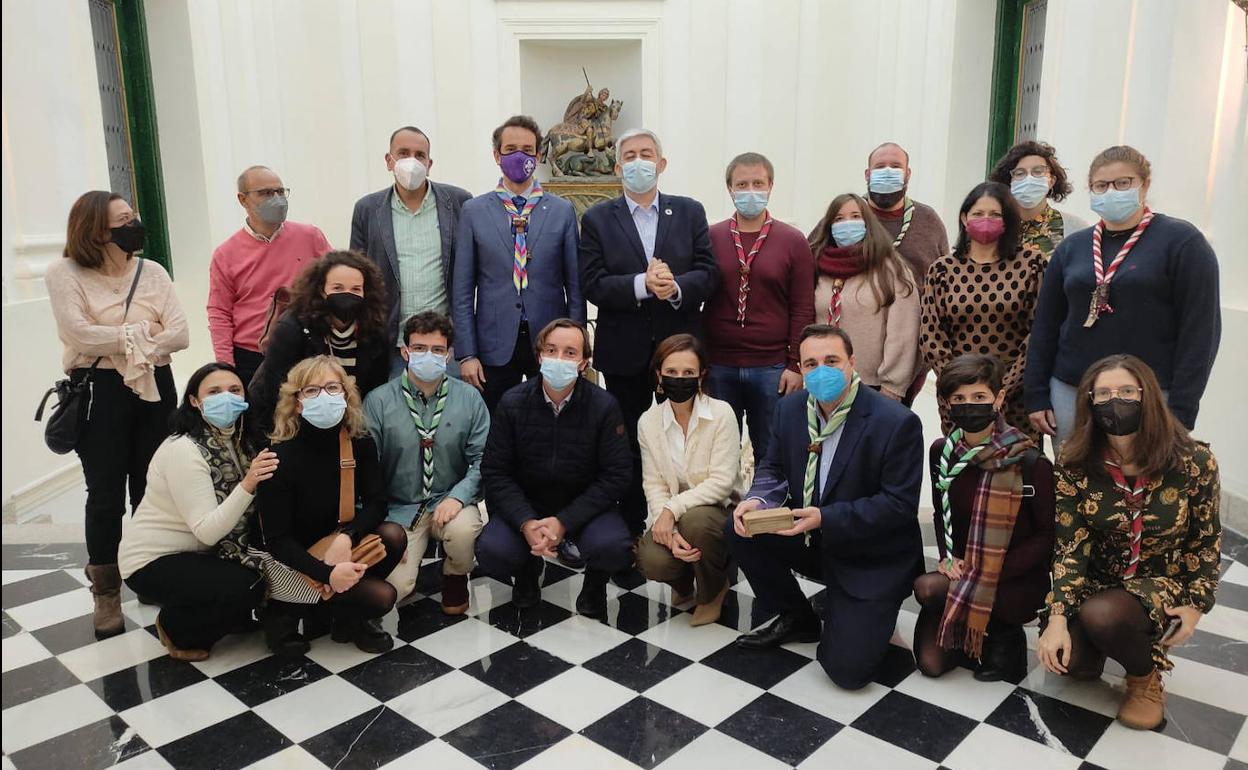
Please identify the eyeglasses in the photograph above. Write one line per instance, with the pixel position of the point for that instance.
(1039, 172)
(269, 192)
(312, 391)
(1122, 183)
(1126, 393)
(437, 350)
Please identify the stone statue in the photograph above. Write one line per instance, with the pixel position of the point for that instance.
(583, 145)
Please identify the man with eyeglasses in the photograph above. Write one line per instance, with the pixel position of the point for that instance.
(430, 431)
(252, 265)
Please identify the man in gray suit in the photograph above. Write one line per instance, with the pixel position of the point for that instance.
(515, 267)
(408, 230)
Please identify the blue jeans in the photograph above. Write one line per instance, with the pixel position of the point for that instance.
(752, 391)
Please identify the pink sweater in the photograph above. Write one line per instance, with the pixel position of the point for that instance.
(244, 274)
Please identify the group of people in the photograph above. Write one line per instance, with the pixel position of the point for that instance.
(434, 382)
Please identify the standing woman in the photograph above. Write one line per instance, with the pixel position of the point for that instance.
(691, 473)
(1137, 282)
(982, 298)
(864, 287)
(119, 320)
(1138, 537)
(186, 547)
(338, 307)
(1035, 177)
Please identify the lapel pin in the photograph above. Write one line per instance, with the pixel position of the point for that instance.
(667, 212)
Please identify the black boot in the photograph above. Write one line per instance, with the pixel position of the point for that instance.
(592, 602)
(528, 587)
(281, 634)
(1005, 654)
(371, 637)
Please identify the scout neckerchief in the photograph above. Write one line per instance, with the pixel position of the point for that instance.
(1100, 294)
(945, 475)
(744, 261)
(427, 433)
(519, 226)
(907, 216)
(993, 513)
(818, 436)
(1136, 497)
(840, 263)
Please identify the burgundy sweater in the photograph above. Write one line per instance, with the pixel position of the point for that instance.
(781, 298)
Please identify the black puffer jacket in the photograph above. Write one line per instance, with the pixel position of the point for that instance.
(574, 466)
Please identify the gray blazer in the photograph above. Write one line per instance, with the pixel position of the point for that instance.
(485, 306)
(372, 233)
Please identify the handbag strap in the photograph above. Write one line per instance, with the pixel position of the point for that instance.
(346, 478)
(134, 284)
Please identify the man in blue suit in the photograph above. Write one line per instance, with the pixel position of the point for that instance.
(850, 463)
(515, 267)
(647, 264)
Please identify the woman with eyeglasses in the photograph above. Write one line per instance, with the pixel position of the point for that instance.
(1137, 282)
(338, 308)
(328, 482)
(982, 297)
(1035, 177)
(1138, 548)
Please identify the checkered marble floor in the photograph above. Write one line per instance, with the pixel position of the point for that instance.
(548, 689)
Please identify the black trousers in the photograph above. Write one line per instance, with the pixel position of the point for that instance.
(635, 393)
(372, 597)
(202, 597)
(246, 362)
(856, 631)
(523, 363)
(115, 447)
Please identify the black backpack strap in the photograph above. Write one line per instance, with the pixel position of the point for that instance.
(1028, 463)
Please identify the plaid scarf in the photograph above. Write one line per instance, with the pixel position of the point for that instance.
(994, 509)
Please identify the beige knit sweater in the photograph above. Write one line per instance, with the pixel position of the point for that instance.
(886, 340)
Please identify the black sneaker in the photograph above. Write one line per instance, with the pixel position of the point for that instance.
(528, 586)
(569, 555)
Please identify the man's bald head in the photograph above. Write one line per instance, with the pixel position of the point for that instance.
(888, 154)
(253, 174)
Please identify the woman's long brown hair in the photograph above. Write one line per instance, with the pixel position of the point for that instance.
(1161, 441)
(881, 262)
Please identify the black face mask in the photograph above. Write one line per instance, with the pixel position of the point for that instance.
(886, 200)
(679, 389)
(344, 305)
(1118, 417)
(130, 236)
(972, 418)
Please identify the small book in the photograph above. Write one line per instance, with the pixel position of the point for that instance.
(767, 520)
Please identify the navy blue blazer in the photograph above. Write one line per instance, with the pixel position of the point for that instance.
(870, 532)
(612, 254)
(484, 304)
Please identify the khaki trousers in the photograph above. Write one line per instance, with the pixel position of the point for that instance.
(703, 527)
(458, 538)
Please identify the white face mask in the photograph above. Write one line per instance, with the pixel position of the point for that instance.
(410, 173)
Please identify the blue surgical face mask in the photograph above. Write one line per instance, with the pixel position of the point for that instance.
(886, 180)
(222, 409)
(1030, 190)
(847, 232)
(750, 203)
(1116, 205)
(324, 411)
(426, 366)
(559, 373)
(640, 176)
(825, 383)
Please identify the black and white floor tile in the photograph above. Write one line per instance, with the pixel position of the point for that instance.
(546, 688)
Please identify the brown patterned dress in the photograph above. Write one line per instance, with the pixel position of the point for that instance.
(1180, 550)
(970, 307)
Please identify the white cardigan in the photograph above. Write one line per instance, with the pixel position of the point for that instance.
(712, 461)
(179, 511)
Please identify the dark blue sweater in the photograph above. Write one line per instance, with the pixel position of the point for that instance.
(1166, 311)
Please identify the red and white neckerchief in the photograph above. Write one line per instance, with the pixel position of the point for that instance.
(1136, 497)
(834, 304)
(744, 261)
(1100, 294)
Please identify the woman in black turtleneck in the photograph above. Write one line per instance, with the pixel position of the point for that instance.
(299, 506)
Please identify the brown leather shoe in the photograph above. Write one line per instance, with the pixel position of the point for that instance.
(189, 656)
(1145, 705)
(454, 594)
(106, 588)
(709, 612)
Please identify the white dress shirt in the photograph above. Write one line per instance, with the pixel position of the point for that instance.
(647, 222)
(677, 439)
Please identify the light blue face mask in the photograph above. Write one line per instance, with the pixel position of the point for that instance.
(324, 411)
(847, 232)
(426, 366)
(886, 180)
(825, 383)
(640, 176)
(750, 203)
(221, 410)
(1030, 190)
(559, 373)
(1116, 205)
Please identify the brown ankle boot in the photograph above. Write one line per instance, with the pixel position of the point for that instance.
(106, 587)
(1144, 707)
